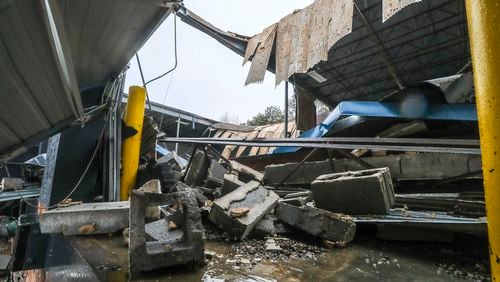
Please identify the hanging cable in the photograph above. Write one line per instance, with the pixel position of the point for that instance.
(175, 56)
(165, 98)
(143, 81)
(92, 158)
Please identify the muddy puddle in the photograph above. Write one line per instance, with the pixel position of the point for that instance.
(365, 259)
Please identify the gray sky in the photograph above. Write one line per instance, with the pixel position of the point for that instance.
(209, 78)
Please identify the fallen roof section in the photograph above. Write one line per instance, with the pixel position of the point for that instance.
(363, 50)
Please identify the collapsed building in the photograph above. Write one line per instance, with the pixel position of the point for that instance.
(99, 184)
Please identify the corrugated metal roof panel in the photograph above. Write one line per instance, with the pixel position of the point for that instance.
(98, 38)
(104, 35)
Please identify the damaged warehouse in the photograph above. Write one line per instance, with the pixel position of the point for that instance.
(397, 181)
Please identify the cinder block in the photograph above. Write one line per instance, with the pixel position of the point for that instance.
(359, 192)
(153, 246)
(231, 183)
(253, 196)
(198, 169)
(215, 174)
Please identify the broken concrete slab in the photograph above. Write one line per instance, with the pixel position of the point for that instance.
(317, 222)
(104, 218)
(231, 183)
(355, 192)
(173, 159)
(265, 227)
(215, 174)
(298, 198)
(160, 230)
(197, 171)
(253, 196)
(152, 186)
(167, 248)
(421, 166)
(181, 186)
(297, 201)
(245, 170)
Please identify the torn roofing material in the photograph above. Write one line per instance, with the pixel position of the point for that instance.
(236, 42)
(51, 50)
(365, 50)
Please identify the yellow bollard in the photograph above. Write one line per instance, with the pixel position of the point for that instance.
(483, 18)
(131, 147)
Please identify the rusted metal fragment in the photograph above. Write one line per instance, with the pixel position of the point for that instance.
(300, 33)
(304, 38)
(262, 54)
(341, 23)
(283, 46)
(251, 48)
(391, 7)
(332, 20)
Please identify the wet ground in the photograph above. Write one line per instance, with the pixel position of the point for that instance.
(303, 259)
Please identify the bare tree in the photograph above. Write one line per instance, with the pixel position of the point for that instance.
(230, 118)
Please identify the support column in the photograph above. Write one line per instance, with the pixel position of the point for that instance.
(286, 110)
(178, 133)
(131, 148)
(483, 18)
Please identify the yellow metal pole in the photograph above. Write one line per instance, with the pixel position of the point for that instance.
(483, 18)
(134, 117)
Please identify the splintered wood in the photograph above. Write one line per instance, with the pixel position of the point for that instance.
(391, 7)
(304, 38)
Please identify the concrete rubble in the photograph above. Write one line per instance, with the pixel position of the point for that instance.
(317, 222)
(86, 219)
(167, 248)
(355, 192)
(231, 183)
(197, 171)
(258, 200)
(215, 174)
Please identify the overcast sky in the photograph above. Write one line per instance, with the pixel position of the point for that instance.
(209, 78)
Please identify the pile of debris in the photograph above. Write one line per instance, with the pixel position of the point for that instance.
(179, 205)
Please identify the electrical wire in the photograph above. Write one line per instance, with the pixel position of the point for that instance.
(165, 98)
(101, 135)
(175, 55)
(143, 81)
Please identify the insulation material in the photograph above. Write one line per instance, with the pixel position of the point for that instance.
(391, 7)
(262, 54)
